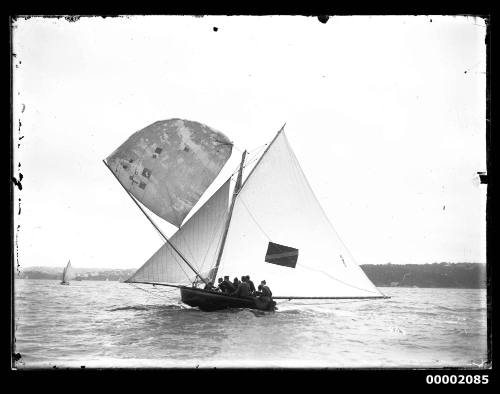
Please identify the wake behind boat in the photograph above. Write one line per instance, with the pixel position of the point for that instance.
(272, 227)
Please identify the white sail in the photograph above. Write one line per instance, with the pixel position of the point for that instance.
(198, 240)
(277, 205)
(68, 273)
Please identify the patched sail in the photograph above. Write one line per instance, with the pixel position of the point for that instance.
(198, 240)
(280, 233)
(168, 165)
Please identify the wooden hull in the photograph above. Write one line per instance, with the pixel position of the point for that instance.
(212, 301)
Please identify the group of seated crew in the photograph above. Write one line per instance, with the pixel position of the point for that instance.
(243, 288)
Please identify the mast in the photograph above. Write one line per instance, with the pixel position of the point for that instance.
(156, 227)
(236, 190)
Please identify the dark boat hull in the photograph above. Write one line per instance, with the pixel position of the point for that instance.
(212, 301)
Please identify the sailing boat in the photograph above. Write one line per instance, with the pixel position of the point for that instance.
(67, 274)
(272, 228)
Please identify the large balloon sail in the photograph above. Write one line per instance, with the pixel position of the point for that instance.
(168, 165)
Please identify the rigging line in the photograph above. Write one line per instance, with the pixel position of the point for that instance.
(252, 160)
(235, 172)
(247, 163)
(166, 243)
(327, 303)
(301, 265)
(143, 267)
(197, 227)
(163, 291)
(261, 157)
(207, 247)
(219, 242)
(205, 254)
(189, 251)
(186, 244)
(253, 218)
(221, 218)
(297, 164)
(259, 147)
(259, 151)
(227, 223)
(338, 280)
(331, 300)
(173, 247)
(149, 292)
(174, 256)
(251, 157)
(241, 151)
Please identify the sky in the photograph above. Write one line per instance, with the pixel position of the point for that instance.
(386, 115)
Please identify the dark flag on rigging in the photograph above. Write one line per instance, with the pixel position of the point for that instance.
(281, 255)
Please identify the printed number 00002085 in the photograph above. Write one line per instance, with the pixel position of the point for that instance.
(456, 379)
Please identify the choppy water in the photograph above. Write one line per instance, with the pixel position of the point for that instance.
(112, 324)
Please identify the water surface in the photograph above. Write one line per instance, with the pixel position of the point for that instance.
(112, 324)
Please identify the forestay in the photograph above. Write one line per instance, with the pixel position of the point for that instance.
(198, 240)
(168, 165)
(274, 207)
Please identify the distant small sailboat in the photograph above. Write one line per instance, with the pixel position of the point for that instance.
(67, 274)
(272, 216)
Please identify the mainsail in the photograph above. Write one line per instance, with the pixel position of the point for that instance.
(280, 233)
(168, 165)
(198, 239)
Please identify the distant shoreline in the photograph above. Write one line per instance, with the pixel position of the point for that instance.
(400, 287)
(434, 275)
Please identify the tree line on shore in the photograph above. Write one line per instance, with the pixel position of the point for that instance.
(456, 275)
(452, 275)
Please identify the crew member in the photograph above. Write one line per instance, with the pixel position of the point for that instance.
(267, 295)
(243, 289)
(226, 286)
(266, 291)
(251, 285)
